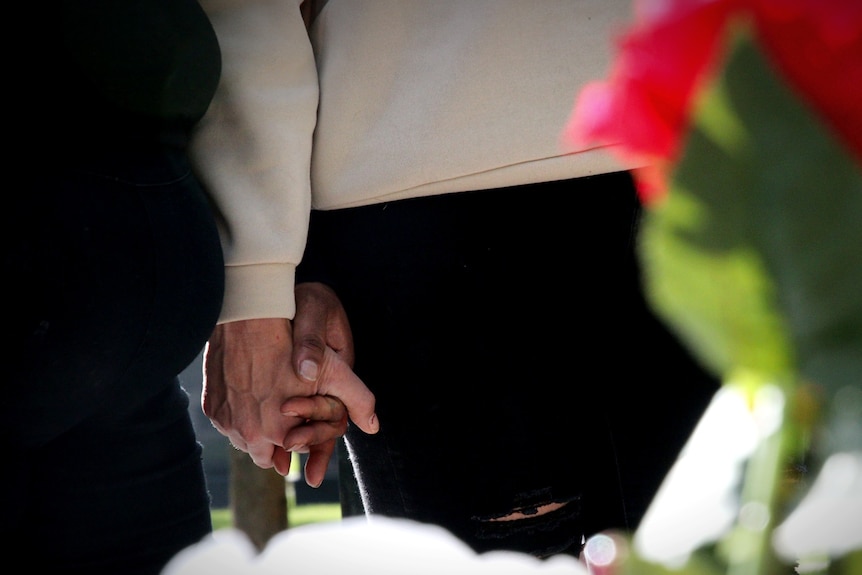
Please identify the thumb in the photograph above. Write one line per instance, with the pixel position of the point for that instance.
(308, 356)
(338, 380)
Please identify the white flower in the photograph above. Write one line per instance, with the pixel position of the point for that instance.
(828, 520)
(383, 546)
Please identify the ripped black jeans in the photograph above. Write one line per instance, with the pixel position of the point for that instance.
(511, 353)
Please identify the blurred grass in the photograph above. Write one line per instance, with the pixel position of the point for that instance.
(296, 514)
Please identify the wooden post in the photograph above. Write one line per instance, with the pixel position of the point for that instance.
(258, 499)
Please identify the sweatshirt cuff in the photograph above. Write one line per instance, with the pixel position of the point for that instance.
(258, 291)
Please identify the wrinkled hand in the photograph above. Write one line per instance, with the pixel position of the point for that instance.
(248, 376)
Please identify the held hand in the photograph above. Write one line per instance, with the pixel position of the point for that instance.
(247, 378)
(337, 388)
(321, 326)
(323, 357)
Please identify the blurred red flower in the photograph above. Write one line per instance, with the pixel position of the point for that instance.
(674, 47)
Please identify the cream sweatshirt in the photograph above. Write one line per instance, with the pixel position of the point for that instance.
(383, 100)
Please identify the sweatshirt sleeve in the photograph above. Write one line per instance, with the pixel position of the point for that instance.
(252, 151)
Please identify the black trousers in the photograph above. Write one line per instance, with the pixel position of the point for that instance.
(116, 277)
(514, 359)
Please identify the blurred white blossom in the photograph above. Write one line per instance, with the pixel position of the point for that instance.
(698, 500)
(828, 520)
(383, 546)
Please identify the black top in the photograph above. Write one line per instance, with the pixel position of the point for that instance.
(106, 69)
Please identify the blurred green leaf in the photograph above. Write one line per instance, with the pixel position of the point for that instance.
(755, 258)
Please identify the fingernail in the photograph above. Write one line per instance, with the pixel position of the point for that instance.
(373, 421)
(308, 369)
(290, 413)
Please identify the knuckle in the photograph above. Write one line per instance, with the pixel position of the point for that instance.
(311, 342)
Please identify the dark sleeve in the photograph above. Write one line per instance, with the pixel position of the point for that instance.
(159, 58)
(97, 64)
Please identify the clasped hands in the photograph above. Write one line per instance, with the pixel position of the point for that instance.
(273, 386)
